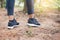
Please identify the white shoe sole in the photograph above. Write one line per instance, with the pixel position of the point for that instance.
(32, 24)
(12, 27)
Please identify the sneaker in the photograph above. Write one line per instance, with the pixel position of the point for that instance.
(33, 22)
(12, 24)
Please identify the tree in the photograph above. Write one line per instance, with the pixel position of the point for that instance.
(58, 5)
(1, 3)
(25, 7)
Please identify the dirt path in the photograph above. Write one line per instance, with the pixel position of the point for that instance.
(49, 29)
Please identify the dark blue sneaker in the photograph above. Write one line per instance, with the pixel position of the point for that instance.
(12, 24)
(33, 22)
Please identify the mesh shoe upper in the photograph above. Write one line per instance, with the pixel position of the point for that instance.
(33, 21)
(12, 23)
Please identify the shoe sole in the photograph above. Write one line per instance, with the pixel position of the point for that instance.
(12, 26)
(33, 25)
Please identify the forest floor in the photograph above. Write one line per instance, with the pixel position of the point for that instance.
(48, 30)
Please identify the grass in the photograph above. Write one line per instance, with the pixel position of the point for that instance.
(29, 32)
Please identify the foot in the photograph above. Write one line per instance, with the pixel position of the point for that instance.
(33, 22)
(12, 24)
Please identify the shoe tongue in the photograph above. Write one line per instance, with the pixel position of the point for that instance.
(11, 20)
(31, 18)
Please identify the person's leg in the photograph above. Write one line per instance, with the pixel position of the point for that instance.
(10, 12)
(10, 8)
(30, 9)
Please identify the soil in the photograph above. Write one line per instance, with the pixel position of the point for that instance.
(48, 30)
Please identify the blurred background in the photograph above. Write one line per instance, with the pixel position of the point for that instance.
(47, 12)
(41, 5)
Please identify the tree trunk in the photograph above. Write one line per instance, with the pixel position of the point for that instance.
(2, 2)
(25, 7)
